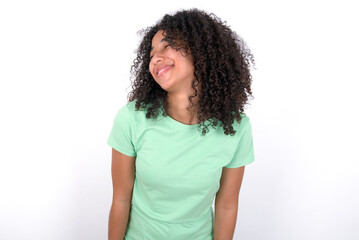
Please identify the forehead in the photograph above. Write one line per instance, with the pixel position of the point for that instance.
(158, 37)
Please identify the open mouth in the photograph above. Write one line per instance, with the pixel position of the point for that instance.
(163, 71)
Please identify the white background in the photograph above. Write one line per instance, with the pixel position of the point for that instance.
(64, 70)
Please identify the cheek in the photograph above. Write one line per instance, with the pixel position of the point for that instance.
(189, 66)
(150, 67)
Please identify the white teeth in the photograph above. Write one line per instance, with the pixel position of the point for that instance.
(163, 70)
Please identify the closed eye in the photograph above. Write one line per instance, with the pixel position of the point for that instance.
(164, 48)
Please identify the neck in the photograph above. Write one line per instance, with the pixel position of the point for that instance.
(177, 108)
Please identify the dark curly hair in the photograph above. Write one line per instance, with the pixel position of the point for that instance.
(221, 65)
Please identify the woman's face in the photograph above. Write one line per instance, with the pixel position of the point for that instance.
(170, 68)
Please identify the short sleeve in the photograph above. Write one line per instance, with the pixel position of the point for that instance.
(122, 132)
(244, 153)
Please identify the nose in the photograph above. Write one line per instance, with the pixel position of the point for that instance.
(157, 57)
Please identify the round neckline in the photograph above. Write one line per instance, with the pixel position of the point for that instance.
(183, 125)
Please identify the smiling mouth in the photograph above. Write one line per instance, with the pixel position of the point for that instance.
(164, 71)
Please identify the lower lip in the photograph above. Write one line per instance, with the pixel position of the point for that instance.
(164, 71)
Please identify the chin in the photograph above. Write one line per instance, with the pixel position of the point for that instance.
(165, 84)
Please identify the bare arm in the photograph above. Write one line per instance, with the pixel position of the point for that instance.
(226, 203)
(123, 174)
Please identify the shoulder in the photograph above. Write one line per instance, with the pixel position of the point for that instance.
(135, 114)
(137, 117)
(125, 114)
(131, 106)
(127, 110)
(244, 123)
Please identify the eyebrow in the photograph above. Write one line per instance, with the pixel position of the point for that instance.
(162, 40)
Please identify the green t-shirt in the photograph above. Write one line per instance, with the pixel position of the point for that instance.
(177, 172)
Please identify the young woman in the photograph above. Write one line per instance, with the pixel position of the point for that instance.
(191, 71)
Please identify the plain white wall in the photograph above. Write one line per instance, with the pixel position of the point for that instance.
(64, 70)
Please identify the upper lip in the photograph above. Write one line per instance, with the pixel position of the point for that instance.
(160, 67)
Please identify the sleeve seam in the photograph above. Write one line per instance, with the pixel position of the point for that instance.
(240, 165)
(132, 123)
(121, 149)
